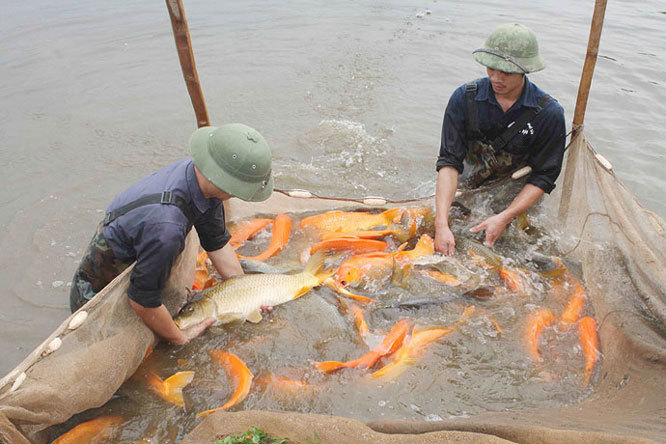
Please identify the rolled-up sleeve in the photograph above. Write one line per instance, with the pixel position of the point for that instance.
(212, 230)
(157, 249)
(453, 148)
(548, 154)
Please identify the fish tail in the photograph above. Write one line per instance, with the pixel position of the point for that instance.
(401, 234)
(394, 214)
(173, 387)
(589, 339)
(329, 366)
(315, 263)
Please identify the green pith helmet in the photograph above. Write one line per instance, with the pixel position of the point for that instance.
(235, 158)
(511, 48)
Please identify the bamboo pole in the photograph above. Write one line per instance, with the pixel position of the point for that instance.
(588, 67)
(181, 33)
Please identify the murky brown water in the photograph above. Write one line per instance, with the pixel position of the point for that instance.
(482, 365)
(350, 94)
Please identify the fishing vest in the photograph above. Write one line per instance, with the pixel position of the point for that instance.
(487, 160)
(164, 198)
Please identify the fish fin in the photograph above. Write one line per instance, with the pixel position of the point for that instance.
(394, 214)
(208, 412)
(171, 389)
(329, 366)
(255, 316)
(315, 263)
(401, 234)
(325, 274)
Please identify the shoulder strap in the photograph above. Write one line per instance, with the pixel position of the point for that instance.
(165, 197)
(517, 125)
(472, 126)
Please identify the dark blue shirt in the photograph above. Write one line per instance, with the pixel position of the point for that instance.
(154, 235)
(542, 139)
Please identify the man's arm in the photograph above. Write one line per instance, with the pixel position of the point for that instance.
(447, 182)
(495, 225)
(226, 262)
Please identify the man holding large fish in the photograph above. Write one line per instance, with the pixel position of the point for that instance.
(149, 221)
(493, 127)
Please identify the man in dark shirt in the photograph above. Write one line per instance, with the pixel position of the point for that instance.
(493, 126)
(149, 221)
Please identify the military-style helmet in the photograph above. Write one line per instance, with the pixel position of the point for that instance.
(235, 158)
(511, 48)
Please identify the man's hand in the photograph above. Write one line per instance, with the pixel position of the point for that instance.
(192, 332)
(493, 226)
(445, 242)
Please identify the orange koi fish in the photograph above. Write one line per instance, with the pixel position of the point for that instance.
(404, 258)
(389, 344)
(401, 234)
(574, 308)
(334, 285)
(95, 431)
(589, 340)
(536, 322)
(171, 389)
(411, 349)
(424, 247)
(514, 280)
(415, 217)
(279, 238)
(349, 243)
(237, 370)
(359, 320)
(283, 383)
(245, 230)
(444, 278)
(341, 221)
(375, 265)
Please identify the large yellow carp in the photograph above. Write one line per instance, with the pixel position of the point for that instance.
(241, 297)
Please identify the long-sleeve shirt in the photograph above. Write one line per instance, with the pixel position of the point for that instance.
(154, 235)
(542, 139)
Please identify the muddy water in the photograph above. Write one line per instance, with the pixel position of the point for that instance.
(482, 365)
(347, 93)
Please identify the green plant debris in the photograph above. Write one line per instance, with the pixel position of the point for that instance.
(252, 436)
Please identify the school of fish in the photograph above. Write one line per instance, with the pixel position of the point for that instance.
(361, 250)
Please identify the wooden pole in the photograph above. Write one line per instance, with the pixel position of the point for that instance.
(181, 33)
(588, 67)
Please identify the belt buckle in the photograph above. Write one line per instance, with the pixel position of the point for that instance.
(166, 197)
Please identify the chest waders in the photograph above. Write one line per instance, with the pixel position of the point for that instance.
(487, 160)
(100, 265)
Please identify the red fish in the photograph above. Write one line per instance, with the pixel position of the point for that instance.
(333, 284)
(279, 238)
(536, 322)
(401, 234)
(283, 384)
(349, 243)
(340, 221)
(237, 370)
(574, 308)
(390, 344)
(412, 347)
(514, 279)
(245, 230)
(375, 265)
(359, 320)
(96, 431)
(589, 340)
(444, 278)
(171, 389)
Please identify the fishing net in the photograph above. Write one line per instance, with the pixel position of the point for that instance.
(619, 245)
